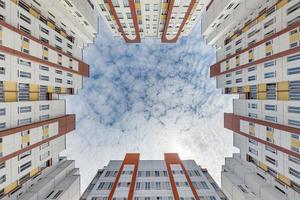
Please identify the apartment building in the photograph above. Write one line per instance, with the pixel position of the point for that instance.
(257, 59)
(41, 46)
(171, 178)
(134, 20)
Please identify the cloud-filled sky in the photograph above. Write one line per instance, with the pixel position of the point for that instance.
(149, 98)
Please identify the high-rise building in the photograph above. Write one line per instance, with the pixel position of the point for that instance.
(41, 45)
(258, 59)
(135, 19)
(168, 179)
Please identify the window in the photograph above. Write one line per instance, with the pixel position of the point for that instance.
(58, 39)
(252, 78)
(291, 109)
(44, 68)
(23, 74)
(58, 80)
(116, 3)
(271, 107)
(239, 80)
(271, 160)
(293, 58)
(25, 166)
(251, 69)
(2, 179)
(24, 155)
(23, 92)
(294, 70)
(25, 63)
(25, 18)
(269, 64)
(44, 107)
(58, 71)
(270, 75)
(2, 57)
(102, 7)
(24, 121)
(44, 78)
(25, 109)
(126, 3)
(44, 117)
(238, 72)
(2, 111)
(271, 118)
(147, 7)
(294, 172)
(155, 7)
(293, 8)
(44, 30)
(253, 151)
(294, 122)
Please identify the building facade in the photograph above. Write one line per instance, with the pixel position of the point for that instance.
(171, 178)
(41, 46)
(134, 20)
(257, 58)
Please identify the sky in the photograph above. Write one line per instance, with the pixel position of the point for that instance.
(149, 98)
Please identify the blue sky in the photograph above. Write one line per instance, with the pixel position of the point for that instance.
(149, 98)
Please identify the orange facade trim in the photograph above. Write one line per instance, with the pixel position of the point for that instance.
(83, 67)
(137, 38)
(215, 69)
(164, 38)
(65, 124)
(173, 158)
(232, 122)
(130, 159)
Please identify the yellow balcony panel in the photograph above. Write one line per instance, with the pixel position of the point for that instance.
(294, 38)
(34, 13)
(14, 1)
(63, 90)
(1, 147)
(52, 26)
(137, 6)
(269, 134)
(10, 96)
(252, 129)
(246, 88)
(33, 88)
(261, 18)
(283, 85)
(284, 179)
(269, 48)
(295, 143)
(262, 87)
(50, 89)
(251, 56)
(25, 45)
(262, 96)
(139, 17)
(34, 171)
(25, 139)
(234, 90)
(234, 36)
(63, 34)
(34, 96)
(45, 131)
(164, 5)
(245, 29)
(9, 86)
(281, 3)
(45, 53)
(163, 16)
(10, 187)
(263, 166)
(283, 96)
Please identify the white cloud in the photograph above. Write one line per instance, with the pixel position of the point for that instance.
(149, 98)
